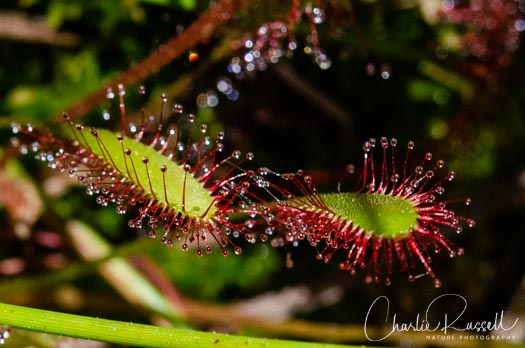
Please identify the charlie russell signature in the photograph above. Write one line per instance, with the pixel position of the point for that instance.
(445, 324)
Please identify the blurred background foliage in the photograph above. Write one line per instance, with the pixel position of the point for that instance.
(447, 74)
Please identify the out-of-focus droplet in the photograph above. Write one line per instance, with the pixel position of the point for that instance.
(193, 57)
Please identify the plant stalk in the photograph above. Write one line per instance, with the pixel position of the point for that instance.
(127, 333)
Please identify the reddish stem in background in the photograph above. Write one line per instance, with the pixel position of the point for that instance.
(199, 32)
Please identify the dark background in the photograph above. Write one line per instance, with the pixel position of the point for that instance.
(450, 80)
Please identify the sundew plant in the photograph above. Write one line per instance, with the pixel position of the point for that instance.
(266, 174)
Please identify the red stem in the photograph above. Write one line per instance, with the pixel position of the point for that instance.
(199, 32)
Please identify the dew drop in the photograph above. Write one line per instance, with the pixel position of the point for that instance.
(204, 128)
(5, 333)
(249, 156)
(384, 142)
(437, 283)
(109, 93)
(385, 71)
(163, 98)
(468, 201)
(263, 171)
(121, 90)
(319, 15)
(191, 118)
(152, 234)
(428, 156)
(322, 60)
(184, 246)
(276, 242)
(471, 223)
(236, 154)
(103, 201)
(142, 90)
(350, 169)
(393, 142)
(15, 128)
(177, 108)
(451, 176)
(370, 69)
(342, 266)
(394, 177)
